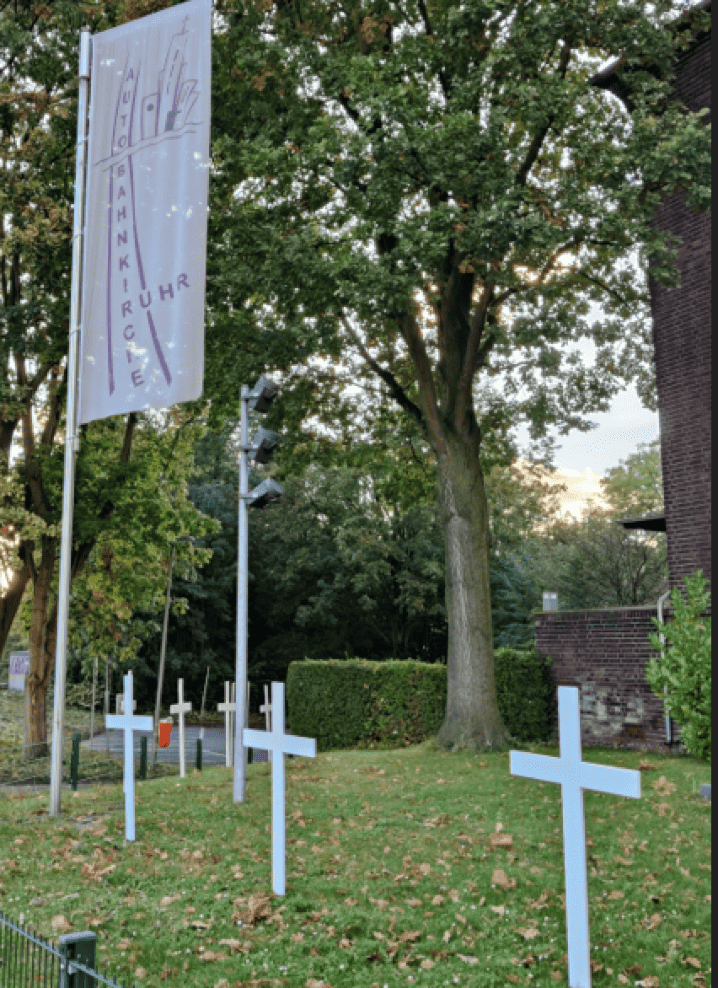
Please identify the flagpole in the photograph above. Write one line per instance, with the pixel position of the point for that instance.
(72, 442)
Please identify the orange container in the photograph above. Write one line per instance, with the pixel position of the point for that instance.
(165, 733)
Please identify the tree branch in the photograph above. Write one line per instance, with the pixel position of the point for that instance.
(537, 143)
(397, 392)
(445, 85)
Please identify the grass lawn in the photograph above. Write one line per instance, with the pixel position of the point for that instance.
(403, 867)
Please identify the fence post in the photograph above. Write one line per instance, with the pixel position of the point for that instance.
(199, 754)
(77, 947)
(75, 760)
(143, 758)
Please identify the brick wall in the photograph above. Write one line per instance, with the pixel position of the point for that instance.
(682, 340)
(604, 652)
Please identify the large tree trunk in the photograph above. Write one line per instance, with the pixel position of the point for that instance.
(10, 603)
(473, 721)
(41, 656)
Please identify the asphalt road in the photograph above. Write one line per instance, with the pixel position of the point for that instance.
(212, 745)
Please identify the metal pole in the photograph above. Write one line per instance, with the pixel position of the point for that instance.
(240, 752)
(163, 648)
(94, 692)
(661, 601)
(204, 697)
(72, 442)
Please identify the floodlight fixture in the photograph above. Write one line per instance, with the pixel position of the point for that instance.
(263, 445)
(263, 394)
(268, 490)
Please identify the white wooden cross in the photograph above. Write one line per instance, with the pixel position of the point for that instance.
(266, 709)
(575, 775)
(128, 723)
(228, 708)
(120, 704)
(279, 743)
(181, 708)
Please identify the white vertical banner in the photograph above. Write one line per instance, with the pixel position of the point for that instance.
(142, 340)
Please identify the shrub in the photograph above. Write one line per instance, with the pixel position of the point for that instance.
(684, 667)
(526, 693)
(359, 702)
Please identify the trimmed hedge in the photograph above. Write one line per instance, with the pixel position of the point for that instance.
(357, 702)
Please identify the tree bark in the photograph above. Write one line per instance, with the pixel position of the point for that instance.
(10, 603)
(473, 721)
(36, 745)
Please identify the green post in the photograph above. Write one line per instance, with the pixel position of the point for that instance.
(143, 758)
(75, 760)
(77, 947)
(199, 754)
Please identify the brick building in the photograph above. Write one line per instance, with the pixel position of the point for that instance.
(604, 652)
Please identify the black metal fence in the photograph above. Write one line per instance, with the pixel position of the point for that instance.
(27, 959)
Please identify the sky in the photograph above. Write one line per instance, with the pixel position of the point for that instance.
(617, 435)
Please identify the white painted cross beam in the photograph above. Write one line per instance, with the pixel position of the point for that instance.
(575, 775)
(279, 744)
(128, 723)
(181, 708)
(228, 708)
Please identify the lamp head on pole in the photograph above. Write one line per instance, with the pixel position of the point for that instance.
(263, 394)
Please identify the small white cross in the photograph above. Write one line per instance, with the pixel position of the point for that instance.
(181, 708)
(575, 775)
(227, 708)
(266, 709)
(279, 743)
(120, 704)
(129, 723)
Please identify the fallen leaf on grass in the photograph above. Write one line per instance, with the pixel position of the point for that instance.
(663, 808)
(236, 946)
(693, 961)
(528, 932)
(616, 894)
(663, 786)
(257, 908)
(501, 840)
(499, 910)
(655, 921)
(650, 982)
(140, 972)
(313, 983)
(513, 978)
(409, 936)
(468, 960)
(124, 944)
(646, 766)
(501, 879)
(426, 964)
(60, 923)
(557, 976)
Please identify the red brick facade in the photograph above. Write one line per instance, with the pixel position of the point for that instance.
(682, 341)
(604, 652)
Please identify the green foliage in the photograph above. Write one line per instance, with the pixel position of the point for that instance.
(684, 666)
(358, 702)
(355, 702)
(526, 693)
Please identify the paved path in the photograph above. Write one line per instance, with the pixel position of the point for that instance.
(212, 745)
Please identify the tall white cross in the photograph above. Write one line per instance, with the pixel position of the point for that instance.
(128, 723)
(266, 709)
(228, 708)
(181, 708)
(279, 744)
(575, 775)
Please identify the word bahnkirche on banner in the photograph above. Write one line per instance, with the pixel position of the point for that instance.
(139, 246)
(142, 338)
